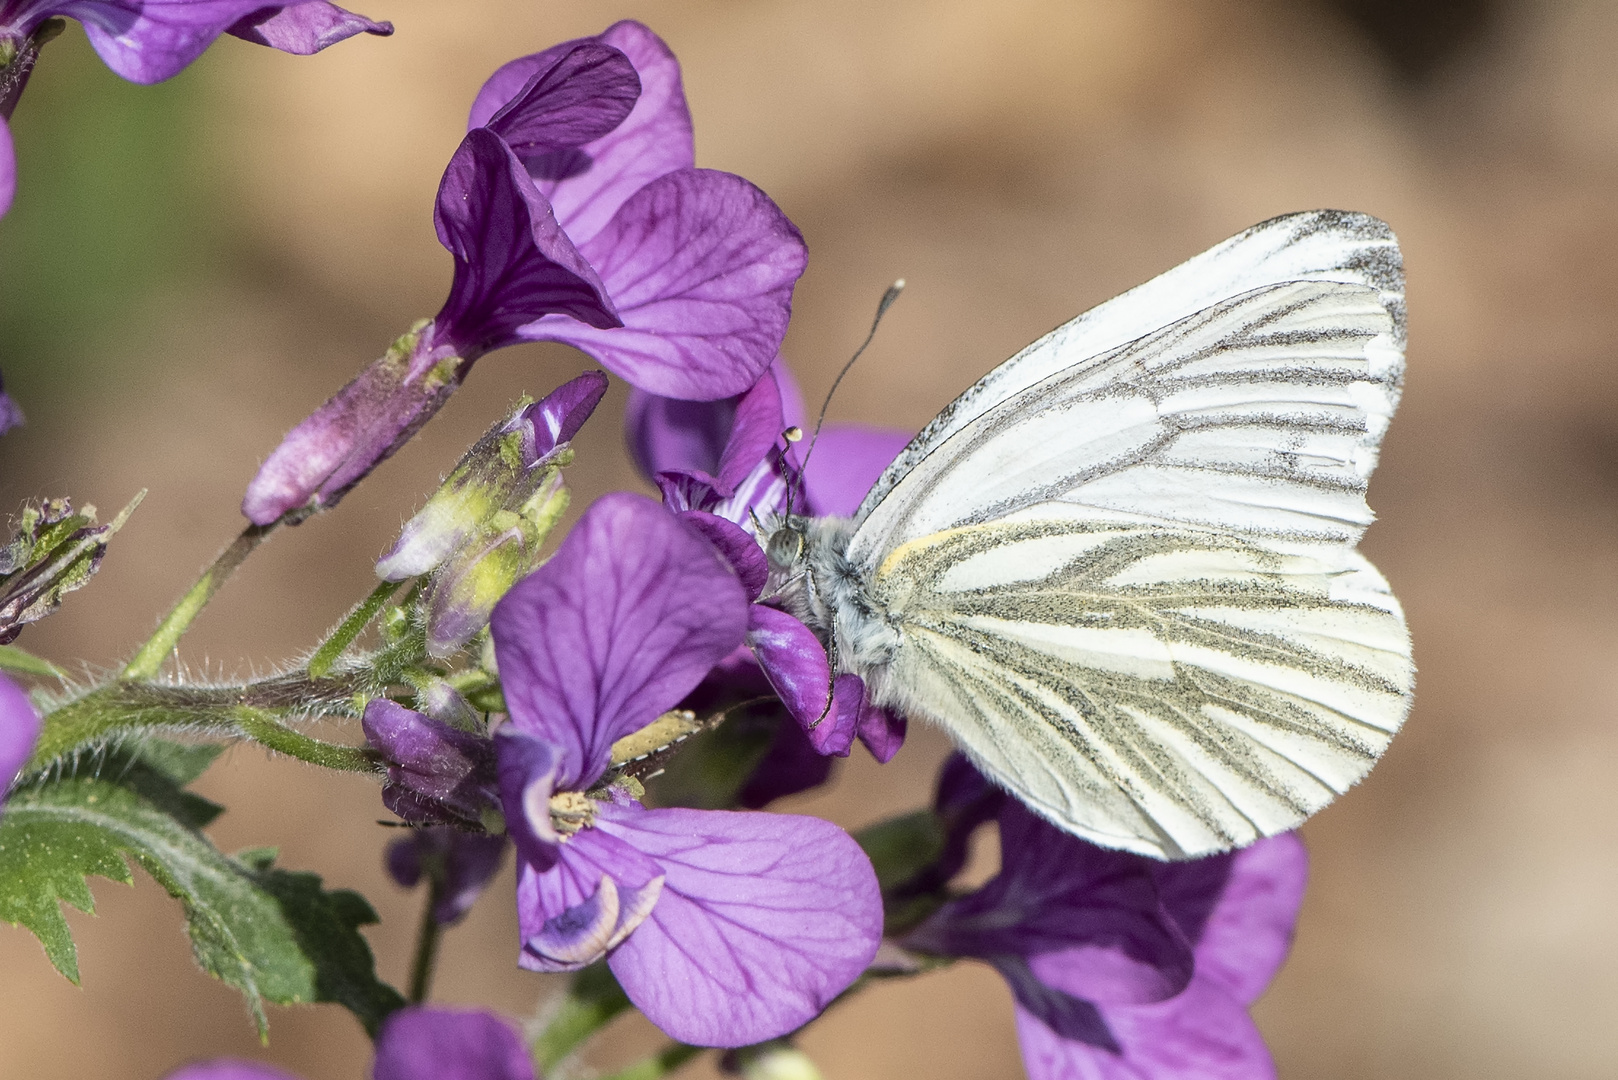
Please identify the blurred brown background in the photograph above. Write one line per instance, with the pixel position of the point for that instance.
(190, 268)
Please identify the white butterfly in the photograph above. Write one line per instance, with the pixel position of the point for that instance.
(1120, 569)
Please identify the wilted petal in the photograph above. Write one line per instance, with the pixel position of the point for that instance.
(739, 548)
(432, 760)
(1087, 919)
(615, 629)
(305, 28)
(565, 918)
(795, 663)
(513, 263)
(1201, 1034)
(1238, 910)
(417, 1043)
(463, 862)
(700, 266)
(155, 39)
(588, 185)
(764, 919)
(847, 460)
(230, 1069)
(19, 729)
(583, 93)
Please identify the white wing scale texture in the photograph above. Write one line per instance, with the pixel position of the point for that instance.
(1120, 569)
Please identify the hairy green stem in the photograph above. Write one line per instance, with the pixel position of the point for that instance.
(148, 661)
(358, 619)
(427, 938)
(593, 999)
(660, 1064)
(119, 708)
(26, 663)
(264, 729)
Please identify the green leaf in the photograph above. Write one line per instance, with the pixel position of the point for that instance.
(275, 935)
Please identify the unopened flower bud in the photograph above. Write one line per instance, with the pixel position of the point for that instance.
(504, 470)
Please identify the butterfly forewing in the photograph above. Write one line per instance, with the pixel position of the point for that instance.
(1319, 245)
(1129, 587)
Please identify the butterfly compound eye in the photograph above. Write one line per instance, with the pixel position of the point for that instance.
(785, 547)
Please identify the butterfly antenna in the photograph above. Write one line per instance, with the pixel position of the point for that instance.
(881, 309)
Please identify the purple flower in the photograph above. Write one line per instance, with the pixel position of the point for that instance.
(458, 864)
(724, 928)
(414, 1044)
(19, 729)
(700, 264)
(147, 41)
(1122, 966)
(677, 279)
(722, 467)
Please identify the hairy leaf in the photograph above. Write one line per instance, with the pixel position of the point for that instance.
(274, 935)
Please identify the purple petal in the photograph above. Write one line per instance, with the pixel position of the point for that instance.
(764, 919)
(1239, 910)
(513, 263)
(847, 460)
(304, 29)
(754, 431)
(582, 95)
(558, 416)
(615, 629)
(588, 185)
(795, 663)
(357, 429)
(1202, 1034)
(597, 894)
(882, 732)
(671, 435)
(416, 1043)
(739, 549)
(430, 759)
(229, 1069)
(527, 782)
(465, 862)
(156, 39)
(1088, 919)
(789, 766)
(700, 266)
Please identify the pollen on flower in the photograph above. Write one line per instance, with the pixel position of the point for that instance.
(571, 811)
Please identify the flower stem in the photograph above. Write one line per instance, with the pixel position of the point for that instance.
(350, 628)
(149, 660)
(660, 1064)
(264, 729)
(421, 968)
(592, 1000)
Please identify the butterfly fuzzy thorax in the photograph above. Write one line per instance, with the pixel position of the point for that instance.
(1120, 569)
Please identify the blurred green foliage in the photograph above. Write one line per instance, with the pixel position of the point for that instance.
(113, 205)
